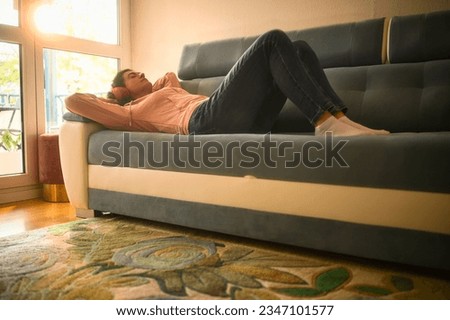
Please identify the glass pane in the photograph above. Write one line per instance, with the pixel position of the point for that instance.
(11, 151)
(85, 19)
(9, 13)
(68, 72)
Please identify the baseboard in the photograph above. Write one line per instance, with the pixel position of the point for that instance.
(20, 193)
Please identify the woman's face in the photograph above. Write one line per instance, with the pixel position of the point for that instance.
(137, 84)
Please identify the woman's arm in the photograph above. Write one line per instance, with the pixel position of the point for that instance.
(114, 101)
(111, 115)
(169, 80)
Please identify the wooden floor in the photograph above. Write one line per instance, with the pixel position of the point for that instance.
(27, 215)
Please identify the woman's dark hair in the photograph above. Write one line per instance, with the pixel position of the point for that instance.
(118, 81)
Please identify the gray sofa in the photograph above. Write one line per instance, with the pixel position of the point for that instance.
(377, 197)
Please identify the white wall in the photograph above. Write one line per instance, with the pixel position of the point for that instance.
(160, 28)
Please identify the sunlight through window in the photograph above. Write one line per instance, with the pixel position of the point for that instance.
(85, 19)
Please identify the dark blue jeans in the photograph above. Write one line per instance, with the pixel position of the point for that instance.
(253, 93)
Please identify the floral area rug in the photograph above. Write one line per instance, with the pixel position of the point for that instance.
(124, 258)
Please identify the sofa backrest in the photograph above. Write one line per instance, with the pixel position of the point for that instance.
(410, 92)
(346, 45)
(204, 65)
(417, 38)
(350, 44)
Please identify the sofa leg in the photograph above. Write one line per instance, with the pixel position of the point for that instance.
(88, 213)
(85, 213)
(98, 213)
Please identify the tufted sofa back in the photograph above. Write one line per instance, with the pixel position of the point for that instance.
(395, 77)
(336, 46)
(419, 38)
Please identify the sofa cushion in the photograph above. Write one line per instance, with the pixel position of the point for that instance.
(401, 97)
(404, 97)
(349, 44)
(399, 161)
(421, 37)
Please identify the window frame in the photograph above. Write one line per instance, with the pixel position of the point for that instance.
(26, 186)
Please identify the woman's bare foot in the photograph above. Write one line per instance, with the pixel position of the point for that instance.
(341, 117)
(361, 127)
(338, 128)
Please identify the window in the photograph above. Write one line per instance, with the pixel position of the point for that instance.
(68, 72)
(9, 13)
(11, 154)
(49, 49)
